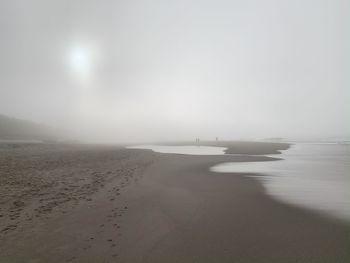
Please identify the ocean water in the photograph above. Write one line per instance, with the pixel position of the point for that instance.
(314, 176)
(311, 175)
(190, 150)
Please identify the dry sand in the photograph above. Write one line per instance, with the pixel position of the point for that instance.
(64, 203)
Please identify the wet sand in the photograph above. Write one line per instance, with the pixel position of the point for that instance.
(241, 147)
(107, 204)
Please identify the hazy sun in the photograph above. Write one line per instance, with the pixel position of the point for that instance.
(80, 60)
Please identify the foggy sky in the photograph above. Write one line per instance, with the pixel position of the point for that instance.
(172, 70)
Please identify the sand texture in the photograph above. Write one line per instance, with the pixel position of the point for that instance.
(66, 203)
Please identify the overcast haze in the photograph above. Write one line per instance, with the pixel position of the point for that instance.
(173, 70)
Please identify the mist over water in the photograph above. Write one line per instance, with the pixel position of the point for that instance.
(311, 175)
(315, 176)
(133, 71)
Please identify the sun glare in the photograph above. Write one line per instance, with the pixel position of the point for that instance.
(80, 60)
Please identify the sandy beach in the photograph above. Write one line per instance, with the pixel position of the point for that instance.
(75, 203)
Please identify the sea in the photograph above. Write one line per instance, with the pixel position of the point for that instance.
(312, 175)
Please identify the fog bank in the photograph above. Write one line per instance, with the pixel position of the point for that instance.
(123, 71)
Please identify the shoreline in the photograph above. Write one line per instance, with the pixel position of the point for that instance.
(170, 208)
(225, 218)
(239, 147)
